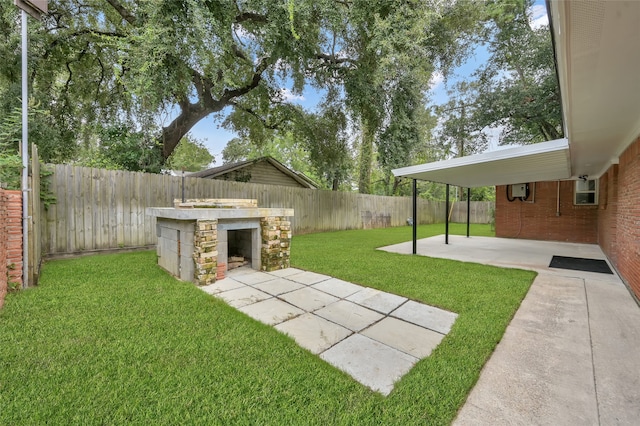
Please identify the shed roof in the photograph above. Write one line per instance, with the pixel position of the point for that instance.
(212, 173)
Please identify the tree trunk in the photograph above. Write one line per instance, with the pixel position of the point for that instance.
(396, 184)
(180, 126)
(335, 184)
(366, 157)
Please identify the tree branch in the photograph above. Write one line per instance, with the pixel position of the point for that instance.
(250, 16)
(252, 112)
(204, 86)
(122, 11)
(228, 95)
(332, 58)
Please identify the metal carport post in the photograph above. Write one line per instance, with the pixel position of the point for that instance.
(415, 216)
(468, 209)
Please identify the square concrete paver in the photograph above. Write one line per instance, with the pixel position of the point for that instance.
(314, 333)
(349, 315)
(338, 287)
(285, 272)
(278, 286)
(253, 279)
(222, 285)
(308, 278)
(377, 300)
(374, 336)
(271, 311)
(371, 363)
(426, 316)
(242, 296)
(308, 298)
(243, 270)
(404, 336)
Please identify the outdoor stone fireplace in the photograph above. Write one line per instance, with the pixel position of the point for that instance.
(199, 239)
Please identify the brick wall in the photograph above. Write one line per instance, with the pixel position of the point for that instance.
(10, 240)
(607, 213)
(3, 249)
(620, 217)
(536, 218)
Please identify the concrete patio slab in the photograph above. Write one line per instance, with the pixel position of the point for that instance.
(426, 316)
(541, 372)
(507, 253)
(271, 311)
(338, 288)
(313, 332)
(285, 272)
(613, 320)
(569, 356)
(243, 296)
(349, 315)
(222, 285)
(377, 300)
(406, 337)
(253, 279)
(371, 363)
(278, 286)
(309, 299)
(308, 278)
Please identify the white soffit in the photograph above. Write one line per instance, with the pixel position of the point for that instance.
(530, 163)
(597, 47)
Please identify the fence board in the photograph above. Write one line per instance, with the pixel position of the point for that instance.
(105, 209)
(35, 213)
(63, 210)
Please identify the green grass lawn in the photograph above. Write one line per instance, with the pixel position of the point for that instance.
(113, 339)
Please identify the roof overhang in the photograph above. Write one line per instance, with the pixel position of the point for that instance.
(531, 163)
(597, 45)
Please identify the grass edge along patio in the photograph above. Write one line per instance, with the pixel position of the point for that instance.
(114, 339)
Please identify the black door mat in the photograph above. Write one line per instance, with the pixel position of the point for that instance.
(580, 264)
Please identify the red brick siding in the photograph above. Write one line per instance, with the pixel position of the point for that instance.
(627, 220)
(607, 213)
(3, 250)
(10, 240)
(536, 218)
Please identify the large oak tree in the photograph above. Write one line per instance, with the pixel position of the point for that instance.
(161, 66)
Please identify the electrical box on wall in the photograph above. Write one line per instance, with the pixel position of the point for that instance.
(519, 190)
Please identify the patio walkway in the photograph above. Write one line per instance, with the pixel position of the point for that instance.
(571, 354)
(375, 337)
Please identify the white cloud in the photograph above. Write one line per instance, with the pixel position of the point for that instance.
(288, 96)
(538, 16)
(436, 80)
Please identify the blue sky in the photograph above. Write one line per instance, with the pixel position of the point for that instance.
(215, 138)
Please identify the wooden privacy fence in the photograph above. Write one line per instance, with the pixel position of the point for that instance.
(105, 209)
(35, 218)
(481, 211)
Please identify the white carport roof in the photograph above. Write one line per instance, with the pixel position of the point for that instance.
(597, 46)
(531, 163)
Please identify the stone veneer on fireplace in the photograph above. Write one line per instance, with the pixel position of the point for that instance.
(193, 236)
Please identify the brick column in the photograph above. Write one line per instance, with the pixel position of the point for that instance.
(276, 239)
(205, 251)
(3, 248)
(10, 241)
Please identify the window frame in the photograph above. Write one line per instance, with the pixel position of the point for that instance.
(577, 191)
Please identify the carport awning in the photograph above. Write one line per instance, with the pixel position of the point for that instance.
(532, 163)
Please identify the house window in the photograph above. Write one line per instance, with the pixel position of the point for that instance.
(586, 192)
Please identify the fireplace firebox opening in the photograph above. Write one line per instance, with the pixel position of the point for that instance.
(239, 248)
